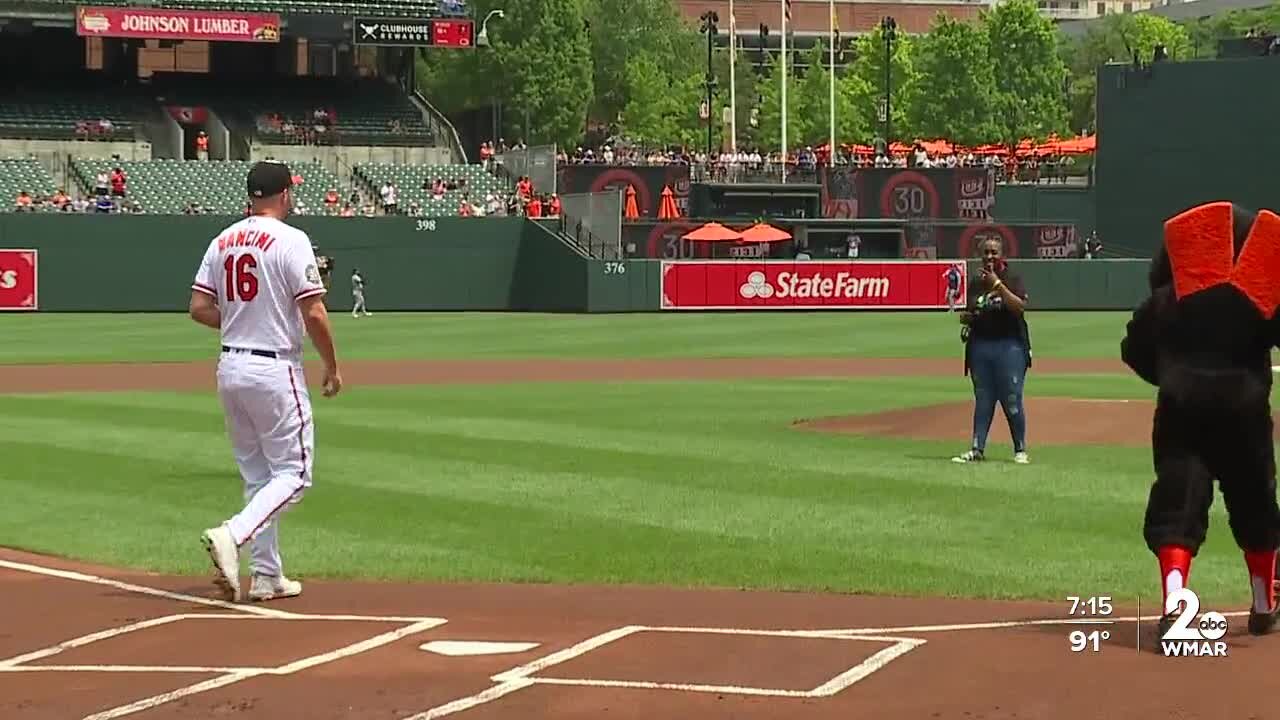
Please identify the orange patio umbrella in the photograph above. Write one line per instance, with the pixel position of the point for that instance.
(630, 210)
(764, 233)
(713, 232)
(667, 208)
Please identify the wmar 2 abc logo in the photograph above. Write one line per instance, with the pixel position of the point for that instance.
(1190, 636)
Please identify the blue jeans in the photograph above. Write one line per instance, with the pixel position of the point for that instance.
(998, 368)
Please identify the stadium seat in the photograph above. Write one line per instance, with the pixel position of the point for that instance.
(67, 115)
(409, 180)
(19, 174)
(169, 186)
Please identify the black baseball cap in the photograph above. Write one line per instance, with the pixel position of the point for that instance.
(268, 178)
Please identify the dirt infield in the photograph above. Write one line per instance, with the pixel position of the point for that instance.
(1051, 421)
(106, 377)
(89, 642)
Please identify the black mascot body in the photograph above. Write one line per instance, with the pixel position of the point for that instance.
(1204, 339)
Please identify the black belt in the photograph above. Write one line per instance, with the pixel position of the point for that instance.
(259, 353)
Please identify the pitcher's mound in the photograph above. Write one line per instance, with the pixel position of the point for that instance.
(1050, 421)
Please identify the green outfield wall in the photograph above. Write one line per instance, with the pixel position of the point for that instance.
(146, 264)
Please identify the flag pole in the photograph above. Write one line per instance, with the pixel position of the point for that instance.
(783, 56)
(733, 81)
(831, 147)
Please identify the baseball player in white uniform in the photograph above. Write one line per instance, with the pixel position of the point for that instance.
(357, 294)
(258, 284)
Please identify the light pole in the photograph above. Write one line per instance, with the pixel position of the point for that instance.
(482, 38)
(709, 20)
(889, 28)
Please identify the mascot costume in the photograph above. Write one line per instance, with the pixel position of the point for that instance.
(1204, 339)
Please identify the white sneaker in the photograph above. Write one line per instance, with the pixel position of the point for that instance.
(1021, 458)
(273, 588)
(226, 560)
(971, 456)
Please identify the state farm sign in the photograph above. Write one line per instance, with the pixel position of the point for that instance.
(809, 285)
(19, 280)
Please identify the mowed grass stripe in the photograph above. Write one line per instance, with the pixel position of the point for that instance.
(44, 338)
(686, 483)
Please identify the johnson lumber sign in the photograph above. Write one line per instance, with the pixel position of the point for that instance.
(156, 24)
(807, 284)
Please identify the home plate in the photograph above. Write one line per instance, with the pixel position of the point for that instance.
(475, 647)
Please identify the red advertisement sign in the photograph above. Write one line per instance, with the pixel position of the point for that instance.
(156, 24)
(810, 284)
(18, 281)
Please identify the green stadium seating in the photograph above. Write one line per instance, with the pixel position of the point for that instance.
(363, 110)
(57, 115)
(409, 181)
(169, 186)
(18, 174)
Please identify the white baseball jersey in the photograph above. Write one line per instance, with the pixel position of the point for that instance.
(258, 269)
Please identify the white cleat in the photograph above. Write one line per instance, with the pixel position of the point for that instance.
(1021, 458)
(273, 588)
(226, 560)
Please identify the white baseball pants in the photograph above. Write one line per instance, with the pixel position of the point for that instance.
(268, 418)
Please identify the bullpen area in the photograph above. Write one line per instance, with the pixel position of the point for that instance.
(576, 516)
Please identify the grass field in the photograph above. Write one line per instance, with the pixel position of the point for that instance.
(687, 483)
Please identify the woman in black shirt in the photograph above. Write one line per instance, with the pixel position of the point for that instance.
(997, 352)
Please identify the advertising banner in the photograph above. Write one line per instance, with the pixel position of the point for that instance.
(18, 280)
(810, 285)
(156, 24)
(403, 32)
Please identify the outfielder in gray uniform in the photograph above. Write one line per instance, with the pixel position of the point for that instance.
(357, 294)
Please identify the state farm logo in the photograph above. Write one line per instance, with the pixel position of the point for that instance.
(814, 285)
(756, 286)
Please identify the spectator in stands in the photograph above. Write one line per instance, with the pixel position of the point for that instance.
(202, 146)
(415, 208)
(464, 208)
(331, 201)
(23, 203)
(118, 183)
(59, 199)
(502, 146)
(104, 204)
(81, 204)
(347, 211)
(524, 188)
(438, 189)
(534, 208)
(102, 184)
(486, 154)
(370, 210)
(493, 205)
(389, 194)
(553, 208)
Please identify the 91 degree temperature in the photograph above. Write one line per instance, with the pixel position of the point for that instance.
(1092, 640)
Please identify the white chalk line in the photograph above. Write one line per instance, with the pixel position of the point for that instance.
(293, 667)
(520, 677)
(85, 640)
(138, 669)
(141, 590)
(466, 703)
(258, 610)
(242, 612)
(516, 678)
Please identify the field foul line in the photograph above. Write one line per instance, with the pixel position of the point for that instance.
(137, 669)
(241, 609)
(293, 667)
(141, 590)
